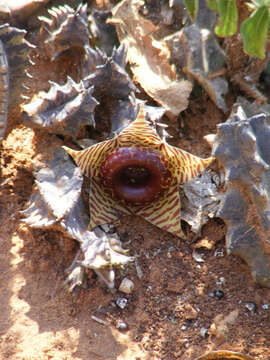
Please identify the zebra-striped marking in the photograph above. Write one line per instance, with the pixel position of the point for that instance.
(163, 211)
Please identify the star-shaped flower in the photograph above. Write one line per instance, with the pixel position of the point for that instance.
(137, 173)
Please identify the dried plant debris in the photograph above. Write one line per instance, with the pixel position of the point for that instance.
(13, 61)
(242, 147)
(63, 109)
(196, 52)
(149, 58)
(201, 201)
(65, 28)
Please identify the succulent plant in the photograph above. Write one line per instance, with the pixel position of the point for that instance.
(242, 147)
(132, 168)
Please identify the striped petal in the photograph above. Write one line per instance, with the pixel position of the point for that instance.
(139, 133)
(89, 160)
(164, 212)
(183, 165)
(103, 209)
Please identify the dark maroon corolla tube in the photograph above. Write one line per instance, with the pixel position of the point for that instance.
(135, 175)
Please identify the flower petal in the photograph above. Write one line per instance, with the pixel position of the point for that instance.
(183, 165)
(103, 209)
(139, 133)
(164, 212)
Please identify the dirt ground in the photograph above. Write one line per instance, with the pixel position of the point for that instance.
(179, 309)
(175, 311)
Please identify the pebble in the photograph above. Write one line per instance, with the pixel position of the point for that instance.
(265, 306)
(219, 294)
(121, 302)
(250, 306)
(185, 343)
(221, 281)
(219, 253)
(138, 269)
(204, 332)
(197, 256)
(188, 322)
(121, 325)
(126, 286)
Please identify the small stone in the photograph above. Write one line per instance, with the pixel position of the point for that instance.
(121, 302)
(265, 306)
(183, 327)
(219, 294)
(190, 313)
(126, 286)
(121, 325)
(197, 256)
(250, 306)
(185, 343)
(221, 281)
(219, 253)
(138, 269)
(204, 332)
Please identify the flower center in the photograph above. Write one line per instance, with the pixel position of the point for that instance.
(135, 175)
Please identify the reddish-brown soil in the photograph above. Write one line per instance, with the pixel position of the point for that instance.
(170, 305)
(174, 311)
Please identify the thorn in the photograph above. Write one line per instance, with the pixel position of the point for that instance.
(210, 139)
(162, 125)
(53, 13)
(25, 97)
(31, 62)
(29, 75)
(46, 20)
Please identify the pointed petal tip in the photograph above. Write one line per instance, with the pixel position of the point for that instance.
(203, 164)
(208, 160)
(180, 234)
(71, 152)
